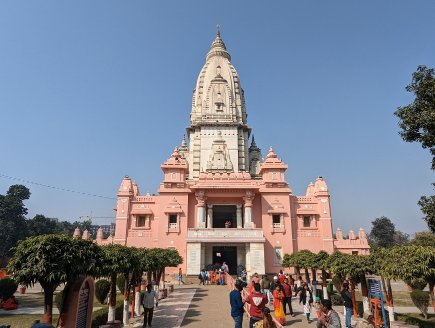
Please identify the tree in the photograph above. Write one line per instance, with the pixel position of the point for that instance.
(413, 264)
(423, 238)
(306, 260)
(52, 260)
(384, 233)
(417, 120)
(427, 206)
(116, 259)
(12, 219)
(292, 261)
(41, 225)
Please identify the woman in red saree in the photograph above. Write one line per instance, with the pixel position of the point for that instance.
(278, 297)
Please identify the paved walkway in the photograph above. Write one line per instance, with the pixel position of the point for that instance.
(206, 306)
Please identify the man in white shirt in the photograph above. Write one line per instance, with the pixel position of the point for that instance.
(148, 305)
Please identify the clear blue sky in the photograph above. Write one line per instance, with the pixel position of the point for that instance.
(93, 90)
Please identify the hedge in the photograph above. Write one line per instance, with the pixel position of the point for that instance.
(99, 317)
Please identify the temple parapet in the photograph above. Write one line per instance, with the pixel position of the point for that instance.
(352, 245)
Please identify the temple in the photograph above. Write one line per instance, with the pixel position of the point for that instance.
(220, 200)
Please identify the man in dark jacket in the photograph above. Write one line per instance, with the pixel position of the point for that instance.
(347, 302)
(237, 305)
(287, 289)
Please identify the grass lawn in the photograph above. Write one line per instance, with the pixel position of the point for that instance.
(401, 298)
(22, 320)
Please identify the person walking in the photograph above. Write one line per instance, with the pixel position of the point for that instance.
(237, 305)
(267, 321)
(278, 298)
(180, 277)
(287, 290)
(258, 302)
(265, 287)
(329, 318)
(148, 305)
(306, 298)
(347, 302)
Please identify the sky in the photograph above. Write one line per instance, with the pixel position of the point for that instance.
(91, 91)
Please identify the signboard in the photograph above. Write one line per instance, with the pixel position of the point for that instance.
(376, 300)
(77, 311)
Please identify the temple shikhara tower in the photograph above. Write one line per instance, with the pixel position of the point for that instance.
(221, 199)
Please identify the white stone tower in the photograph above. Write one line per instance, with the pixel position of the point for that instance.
(218, 133)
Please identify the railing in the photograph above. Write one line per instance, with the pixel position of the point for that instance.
(277, 225)
(226, 234)
(231, 283)
(173, 226)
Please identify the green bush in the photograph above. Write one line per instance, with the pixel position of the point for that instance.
(421, 300)
(336, 299)
(58, 300)
(421, 323)
(99, 317)
(102, 288)
(8, 287)
(120, 282)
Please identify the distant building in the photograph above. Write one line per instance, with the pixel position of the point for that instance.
(219, 199)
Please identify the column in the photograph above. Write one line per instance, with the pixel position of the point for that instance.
(209, 216)
(193, 258)
(147, 221)
(201, 217)
(239, 215)
(248, 259)
(248, 209)
(200, 197)
(256, 252)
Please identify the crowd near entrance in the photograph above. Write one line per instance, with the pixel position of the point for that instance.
(226, 254)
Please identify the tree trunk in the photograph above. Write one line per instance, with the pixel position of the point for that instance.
(148, 277)
(352, 292)
(125, 317)
(298, 272)
(324, 285)
(307, 276)
(48, 303)
(65, 295)
(137, 301)
(390, 302)
(432, 292)
(112, 299)
(159, 275)
(364, 293)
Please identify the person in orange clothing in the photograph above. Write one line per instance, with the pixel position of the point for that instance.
(278, 298)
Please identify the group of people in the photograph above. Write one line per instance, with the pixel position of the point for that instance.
(216, 276)
(279, 292)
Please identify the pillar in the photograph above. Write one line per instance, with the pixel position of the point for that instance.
(193, 258)
(209, 216)
(200, 197)
(248, 209)
(239, 215)
(147, 221)
(200, 216)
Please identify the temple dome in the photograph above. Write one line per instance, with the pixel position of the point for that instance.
(218, 90)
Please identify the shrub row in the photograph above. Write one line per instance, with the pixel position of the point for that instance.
(99, 317)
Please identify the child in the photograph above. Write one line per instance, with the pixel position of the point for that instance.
(317, 307)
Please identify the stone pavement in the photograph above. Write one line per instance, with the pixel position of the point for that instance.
(196, 306)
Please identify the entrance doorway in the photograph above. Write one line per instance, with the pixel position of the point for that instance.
(226, 254)
(224, 213)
